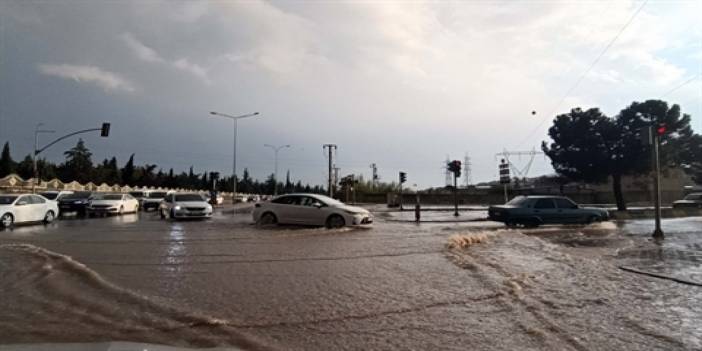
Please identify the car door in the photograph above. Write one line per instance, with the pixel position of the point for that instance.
(568, 211)
(545, 209)
(39, 208)
(23, 209)
(310, 211)
(283, 208)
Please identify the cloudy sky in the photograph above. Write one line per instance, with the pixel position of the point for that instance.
(399, 84)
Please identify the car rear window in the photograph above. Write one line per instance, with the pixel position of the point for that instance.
(693, 197)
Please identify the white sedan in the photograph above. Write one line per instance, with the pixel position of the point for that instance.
(26, 208)
(184, 205)
(310, 209)
(112, 204)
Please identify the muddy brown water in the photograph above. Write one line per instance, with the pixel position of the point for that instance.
(225, 282)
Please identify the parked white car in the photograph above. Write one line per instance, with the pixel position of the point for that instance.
(112, 204)
(310, 209)
(21, 208)
(185, 205)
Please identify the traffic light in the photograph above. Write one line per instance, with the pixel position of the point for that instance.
(105, 130)
(455, 167)
(403, 177)
(662, 128)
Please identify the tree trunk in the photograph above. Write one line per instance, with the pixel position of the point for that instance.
(618, 196)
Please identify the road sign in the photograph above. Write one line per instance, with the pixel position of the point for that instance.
(504, 172)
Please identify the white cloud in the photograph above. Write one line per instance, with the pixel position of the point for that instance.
(141, 51)
(192, 68)
(88, 74)
(147, 54)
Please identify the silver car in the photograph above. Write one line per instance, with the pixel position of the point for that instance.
(310, 209)
(184, 205)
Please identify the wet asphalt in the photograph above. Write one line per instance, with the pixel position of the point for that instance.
(391, 286)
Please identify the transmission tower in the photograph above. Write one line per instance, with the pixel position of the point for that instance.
(519, 172)
(374, 179)
(466, 170)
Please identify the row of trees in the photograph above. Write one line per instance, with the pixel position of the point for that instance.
(589, 146)
(79, 166)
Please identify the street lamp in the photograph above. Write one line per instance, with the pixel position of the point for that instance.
(235, 119)
(275, 175)
(35, 171)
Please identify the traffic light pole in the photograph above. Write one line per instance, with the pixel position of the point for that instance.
(455, 195)
(658, 232)
(104, 130)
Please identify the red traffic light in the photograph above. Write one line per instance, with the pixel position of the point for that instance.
(662, 128)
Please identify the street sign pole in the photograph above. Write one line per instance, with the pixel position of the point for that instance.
(504, 177)
(658, 232)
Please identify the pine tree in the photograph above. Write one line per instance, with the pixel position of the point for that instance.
(7, 165)
(128, 172)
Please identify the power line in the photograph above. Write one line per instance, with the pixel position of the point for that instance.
(580, 79)
(681, 85)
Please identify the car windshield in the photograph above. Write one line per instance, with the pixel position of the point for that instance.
(188, 197)
(693, 197)
(107, 197)
(7, 199)
(328, 200)
(158, 195)
(50, 195)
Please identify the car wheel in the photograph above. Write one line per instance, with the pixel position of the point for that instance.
(7, 220)
(49, 217)
(592, 219)
(531, 223)
(267, 218)
(510, 224)
(335, 221)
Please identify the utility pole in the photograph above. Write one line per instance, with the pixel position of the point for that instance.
(331, 148)
(504, 176)
(374, 179)
(336, 178)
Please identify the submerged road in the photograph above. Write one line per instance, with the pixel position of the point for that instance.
(394, 286)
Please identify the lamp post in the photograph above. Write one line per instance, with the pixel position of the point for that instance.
(275, 174)
(235, 119)
(35, 171)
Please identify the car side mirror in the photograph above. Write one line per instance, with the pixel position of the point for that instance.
(21, 203)
(317, 205)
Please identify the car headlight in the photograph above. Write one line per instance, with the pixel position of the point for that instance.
(353, 212)
(209, 207)
(177, 207)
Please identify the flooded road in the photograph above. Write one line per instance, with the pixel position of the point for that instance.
(394, 286)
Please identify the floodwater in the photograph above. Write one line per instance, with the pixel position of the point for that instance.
(225, 282)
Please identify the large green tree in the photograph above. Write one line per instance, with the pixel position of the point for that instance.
(589, 146)
(128, 176)
(78, 165)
